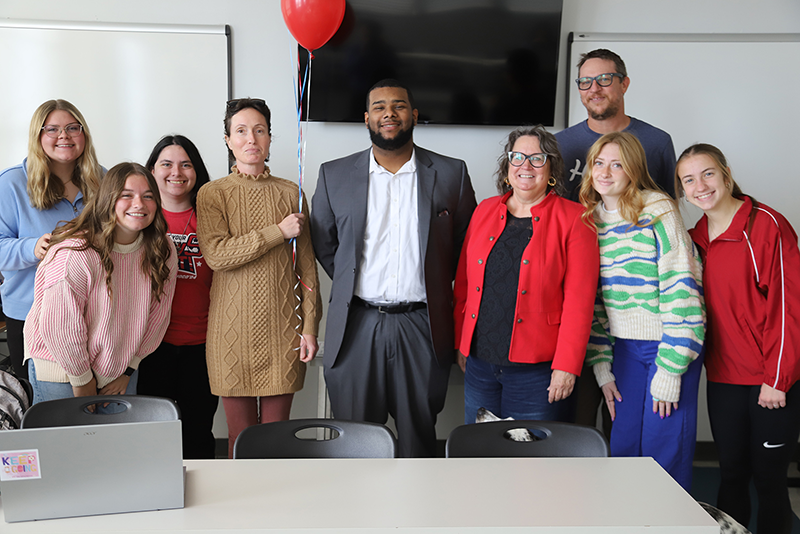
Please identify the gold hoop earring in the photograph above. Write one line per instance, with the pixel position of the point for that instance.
(552, 181)
(507, 182)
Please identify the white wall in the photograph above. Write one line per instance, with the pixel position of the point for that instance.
(261, 48)
(127, 112)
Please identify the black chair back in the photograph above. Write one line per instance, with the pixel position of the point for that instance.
(121, 409)
(281, 440)
(551, 439)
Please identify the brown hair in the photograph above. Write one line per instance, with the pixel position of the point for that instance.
(96, 224)
(602, 53)
(238, 104)
(721, 162)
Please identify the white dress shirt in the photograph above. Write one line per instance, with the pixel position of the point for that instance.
(391, 269)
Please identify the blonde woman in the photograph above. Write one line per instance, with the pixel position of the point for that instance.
(59, 176)
(646, 344)
(103, 292)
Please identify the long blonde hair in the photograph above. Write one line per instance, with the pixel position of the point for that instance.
(634, 162)
(96, 224)
(44, 189)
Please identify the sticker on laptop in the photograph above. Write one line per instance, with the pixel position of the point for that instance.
(18, 465)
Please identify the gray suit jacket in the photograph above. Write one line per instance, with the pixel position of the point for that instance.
(338, 220)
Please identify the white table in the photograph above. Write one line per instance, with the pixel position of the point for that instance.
(423, 496)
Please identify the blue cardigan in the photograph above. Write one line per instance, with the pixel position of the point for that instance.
(21, 225)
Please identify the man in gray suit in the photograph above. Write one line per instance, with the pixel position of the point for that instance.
(387, 226)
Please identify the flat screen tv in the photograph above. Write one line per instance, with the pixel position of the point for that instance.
(491, 62)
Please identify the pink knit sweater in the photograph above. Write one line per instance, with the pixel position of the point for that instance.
(75, 330)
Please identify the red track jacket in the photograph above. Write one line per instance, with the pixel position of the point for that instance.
(752, 293)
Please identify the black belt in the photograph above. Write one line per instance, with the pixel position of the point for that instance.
(405, 307)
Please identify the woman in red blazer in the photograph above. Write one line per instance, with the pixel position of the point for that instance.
(525, 288)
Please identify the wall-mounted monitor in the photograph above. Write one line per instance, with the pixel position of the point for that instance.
(490, 62)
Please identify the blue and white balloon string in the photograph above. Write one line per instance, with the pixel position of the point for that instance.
(302, 135)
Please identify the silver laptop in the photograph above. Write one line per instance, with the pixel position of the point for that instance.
(90, 470)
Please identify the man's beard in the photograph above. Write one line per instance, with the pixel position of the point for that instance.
(610, 111)
(397, 142)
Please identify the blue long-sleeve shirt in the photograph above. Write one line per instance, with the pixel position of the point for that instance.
(21, 226)
(575, 141)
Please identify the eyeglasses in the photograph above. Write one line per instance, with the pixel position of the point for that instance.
(603, 80)
(517, 159)
(53, 131)
(258, 101)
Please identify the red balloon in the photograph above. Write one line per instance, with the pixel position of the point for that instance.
(312, 22)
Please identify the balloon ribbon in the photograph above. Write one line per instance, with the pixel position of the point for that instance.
(302, 134)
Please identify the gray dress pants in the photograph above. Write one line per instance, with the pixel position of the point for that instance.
(386, 365)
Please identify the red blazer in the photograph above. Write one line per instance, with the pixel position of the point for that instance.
(751, 283)
(557, 282)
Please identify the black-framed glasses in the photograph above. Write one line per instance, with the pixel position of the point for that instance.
(517, 159)
(258, 101)
(51, 130)
(603, 80)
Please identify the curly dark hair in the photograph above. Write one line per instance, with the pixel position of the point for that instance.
(391, 82)
(549, 145)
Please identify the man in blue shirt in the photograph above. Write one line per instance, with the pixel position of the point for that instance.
(602, 83)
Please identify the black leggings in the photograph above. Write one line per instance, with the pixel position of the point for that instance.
(758, 443)
(16, 346)
(179, 372)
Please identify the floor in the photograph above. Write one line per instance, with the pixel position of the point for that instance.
(794, 492)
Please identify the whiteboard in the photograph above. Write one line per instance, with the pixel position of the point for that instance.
(735, 91)
(134, 83)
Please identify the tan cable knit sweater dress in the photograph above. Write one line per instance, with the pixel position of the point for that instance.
(251, 323)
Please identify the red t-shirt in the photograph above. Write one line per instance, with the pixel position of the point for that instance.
(189, 320)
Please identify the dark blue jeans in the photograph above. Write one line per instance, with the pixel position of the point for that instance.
(511, 391)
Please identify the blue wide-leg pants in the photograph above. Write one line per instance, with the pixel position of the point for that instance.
(637, 431)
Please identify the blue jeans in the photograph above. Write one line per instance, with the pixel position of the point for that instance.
(45, 391)
(637, 431)
(511, 391)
